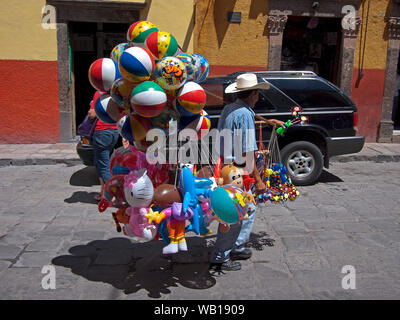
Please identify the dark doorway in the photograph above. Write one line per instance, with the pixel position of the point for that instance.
(312, 43)
(90, 41)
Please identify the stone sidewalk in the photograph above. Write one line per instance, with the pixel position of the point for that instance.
(45, 154)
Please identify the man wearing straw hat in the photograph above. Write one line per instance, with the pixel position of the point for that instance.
(238, 118)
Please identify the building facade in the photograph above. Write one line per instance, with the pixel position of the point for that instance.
(361, 58)
(48, 46)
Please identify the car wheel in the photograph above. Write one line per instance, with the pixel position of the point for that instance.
(304, 162)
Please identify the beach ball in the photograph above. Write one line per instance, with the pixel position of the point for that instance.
(228, 204)
(189, 63)
(139, 31)
(161, 44)
(202, 68)
(118, 50)
(190, 99)
(148, 99)
(121, 92)
(170, 73)
(136, 64)
(201, 124)
(107, 110)
(102, 74)
(133, 127)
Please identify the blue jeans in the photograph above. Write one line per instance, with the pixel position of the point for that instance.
(103, 144)
(234, 240)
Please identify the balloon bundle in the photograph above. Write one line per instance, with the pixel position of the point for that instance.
(149, 81)
(298, 119)
(150, 207)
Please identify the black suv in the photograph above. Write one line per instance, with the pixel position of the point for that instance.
(305, 150)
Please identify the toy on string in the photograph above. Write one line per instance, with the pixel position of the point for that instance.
(298, 119)
(113, 193)
(191, 188)
(279, 185)
(175, 219)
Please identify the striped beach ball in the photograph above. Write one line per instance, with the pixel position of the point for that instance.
(102, 74)
(121, 92)
(118, 50)
(227, 204)
(201, 124)
(190, 99)
(139, 31)
(161, 44)
(133, 127)
(170, 73)
(136, 64)
(148, 99)
(202, 68)
(189, 63)
(107, 110)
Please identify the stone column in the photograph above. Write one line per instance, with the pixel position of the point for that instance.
(385, 132)
(65, 85)
(276, 25)
(346, 64)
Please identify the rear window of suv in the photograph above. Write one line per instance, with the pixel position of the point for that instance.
(310, 93)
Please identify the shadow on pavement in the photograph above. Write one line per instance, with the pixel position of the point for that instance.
(82, 196)
(132, 266)
(85, 177)
(327, 177)
(259, 240)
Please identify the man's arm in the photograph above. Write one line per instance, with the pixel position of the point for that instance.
(271, 122)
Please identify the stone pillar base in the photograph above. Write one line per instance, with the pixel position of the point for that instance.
(385, 133)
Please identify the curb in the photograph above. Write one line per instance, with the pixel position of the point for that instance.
(377, 158)
(77, 161)
(40, 161)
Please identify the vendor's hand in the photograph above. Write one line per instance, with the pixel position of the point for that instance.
(276, 123)
(92, 114)
(260, 187)
(125, 143)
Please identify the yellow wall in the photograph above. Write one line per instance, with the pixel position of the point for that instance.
(173, 16)
(376, 44)
(226, 43)
(23, 38)
(21, 34)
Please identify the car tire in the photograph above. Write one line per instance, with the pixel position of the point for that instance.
(304, 162)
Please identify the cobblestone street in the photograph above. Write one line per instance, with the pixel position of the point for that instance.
(351, 217)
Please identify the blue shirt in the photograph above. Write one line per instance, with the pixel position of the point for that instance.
(238, 115)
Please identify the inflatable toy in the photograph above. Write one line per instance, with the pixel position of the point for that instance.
(148, 99)
(136, 64)
(102, 74)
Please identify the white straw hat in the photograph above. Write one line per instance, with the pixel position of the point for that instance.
(246, 81)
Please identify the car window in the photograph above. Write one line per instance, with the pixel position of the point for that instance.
(216, 99)
(272, 100)
(309, 93)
